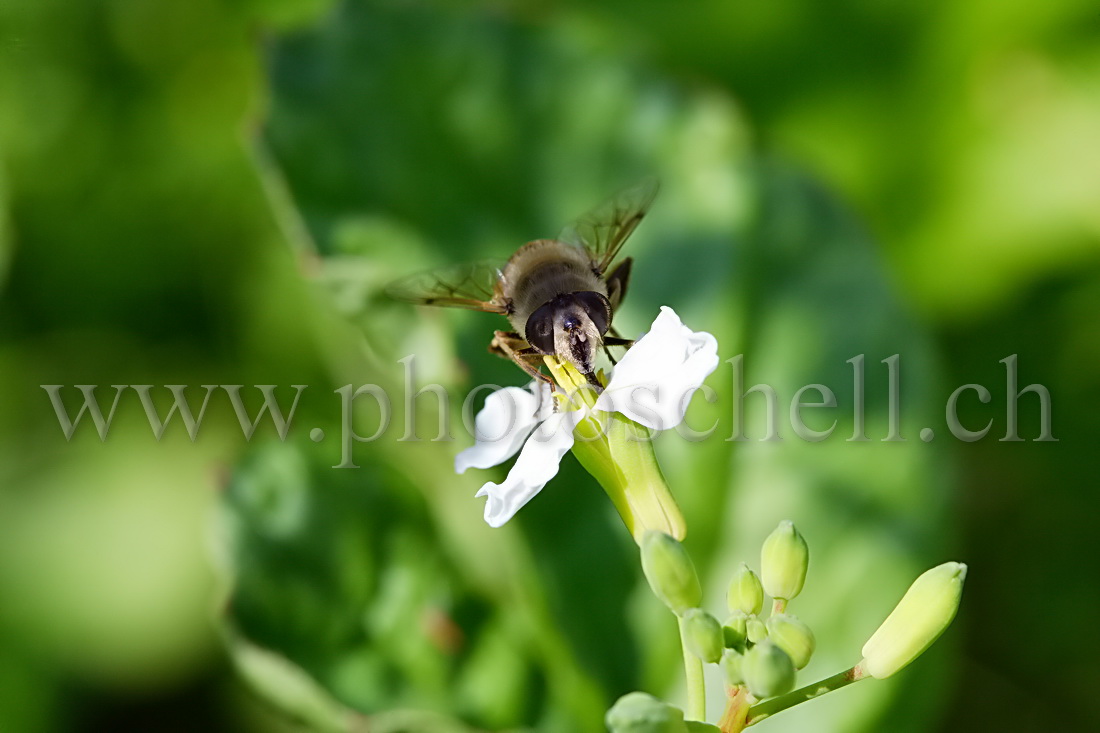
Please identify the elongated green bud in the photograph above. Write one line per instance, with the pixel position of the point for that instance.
(670, 572)
(793, 637)
(698, 726)
(755, 630)
(703, 635)
(637, 712)
(768, 670)
(783, 562)
(734, 630)
(745, 592)
(923, 613)
(731, 666)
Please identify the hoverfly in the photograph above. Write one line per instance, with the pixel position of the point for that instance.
(560, 295)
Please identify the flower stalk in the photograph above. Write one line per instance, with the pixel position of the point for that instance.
(762, 710)
(693, 674)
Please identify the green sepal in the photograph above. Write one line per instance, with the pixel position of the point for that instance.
(745, 591)
(925, 611)
(784, 559)
(638, 712)
(792, 636)
(768, 671)
(755, 630)
(670, 572)
(735, 631)
(703, 635)
(730, 663)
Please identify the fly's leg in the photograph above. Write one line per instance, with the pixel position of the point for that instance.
(617, 281)
(510, 345)
(614, 341)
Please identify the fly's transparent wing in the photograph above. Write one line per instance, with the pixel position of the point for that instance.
(603, 230)
(470, 285)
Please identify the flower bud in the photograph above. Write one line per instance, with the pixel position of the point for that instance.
(637, 712)
(703, 634)
(927, 608)
(734, 631)
(768, 670)
(698, 726)
(783, 562)
(670, 572)
(755, 630)
(731, 667)
(745, 592)
(793, 637)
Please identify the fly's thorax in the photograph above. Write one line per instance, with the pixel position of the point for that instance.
(543, 270)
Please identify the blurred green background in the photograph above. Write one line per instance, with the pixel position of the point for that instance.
(212, 192)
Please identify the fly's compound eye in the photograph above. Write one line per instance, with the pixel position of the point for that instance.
(539, 331)
(597, 307)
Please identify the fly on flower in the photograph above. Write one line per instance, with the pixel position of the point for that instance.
(648, 390)
(560, 295)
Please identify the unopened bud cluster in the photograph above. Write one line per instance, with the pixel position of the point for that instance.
(761, 646)
(762, 652)
(757, 651)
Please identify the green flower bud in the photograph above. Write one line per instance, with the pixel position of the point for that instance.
(755, 630)
(703, 634)
(670, 572)
(745, 592)
(698, 726)
(734, 630)
(731, 666)
(927, 608)
(768, 670)
(783, 562)
(637, 712)
(793, 637)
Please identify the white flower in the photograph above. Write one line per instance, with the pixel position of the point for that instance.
(514, 417)
(655, 380)
(504, 422)
(651, 385)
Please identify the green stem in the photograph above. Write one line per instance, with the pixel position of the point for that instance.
(693, 673)
(770, 707)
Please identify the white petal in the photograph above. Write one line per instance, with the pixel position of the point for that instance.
(507, 418)
(544, 396)
(653, 383)
(537, 463)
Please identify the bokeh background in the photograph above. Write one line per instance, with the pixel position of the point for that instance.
(212, 192)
